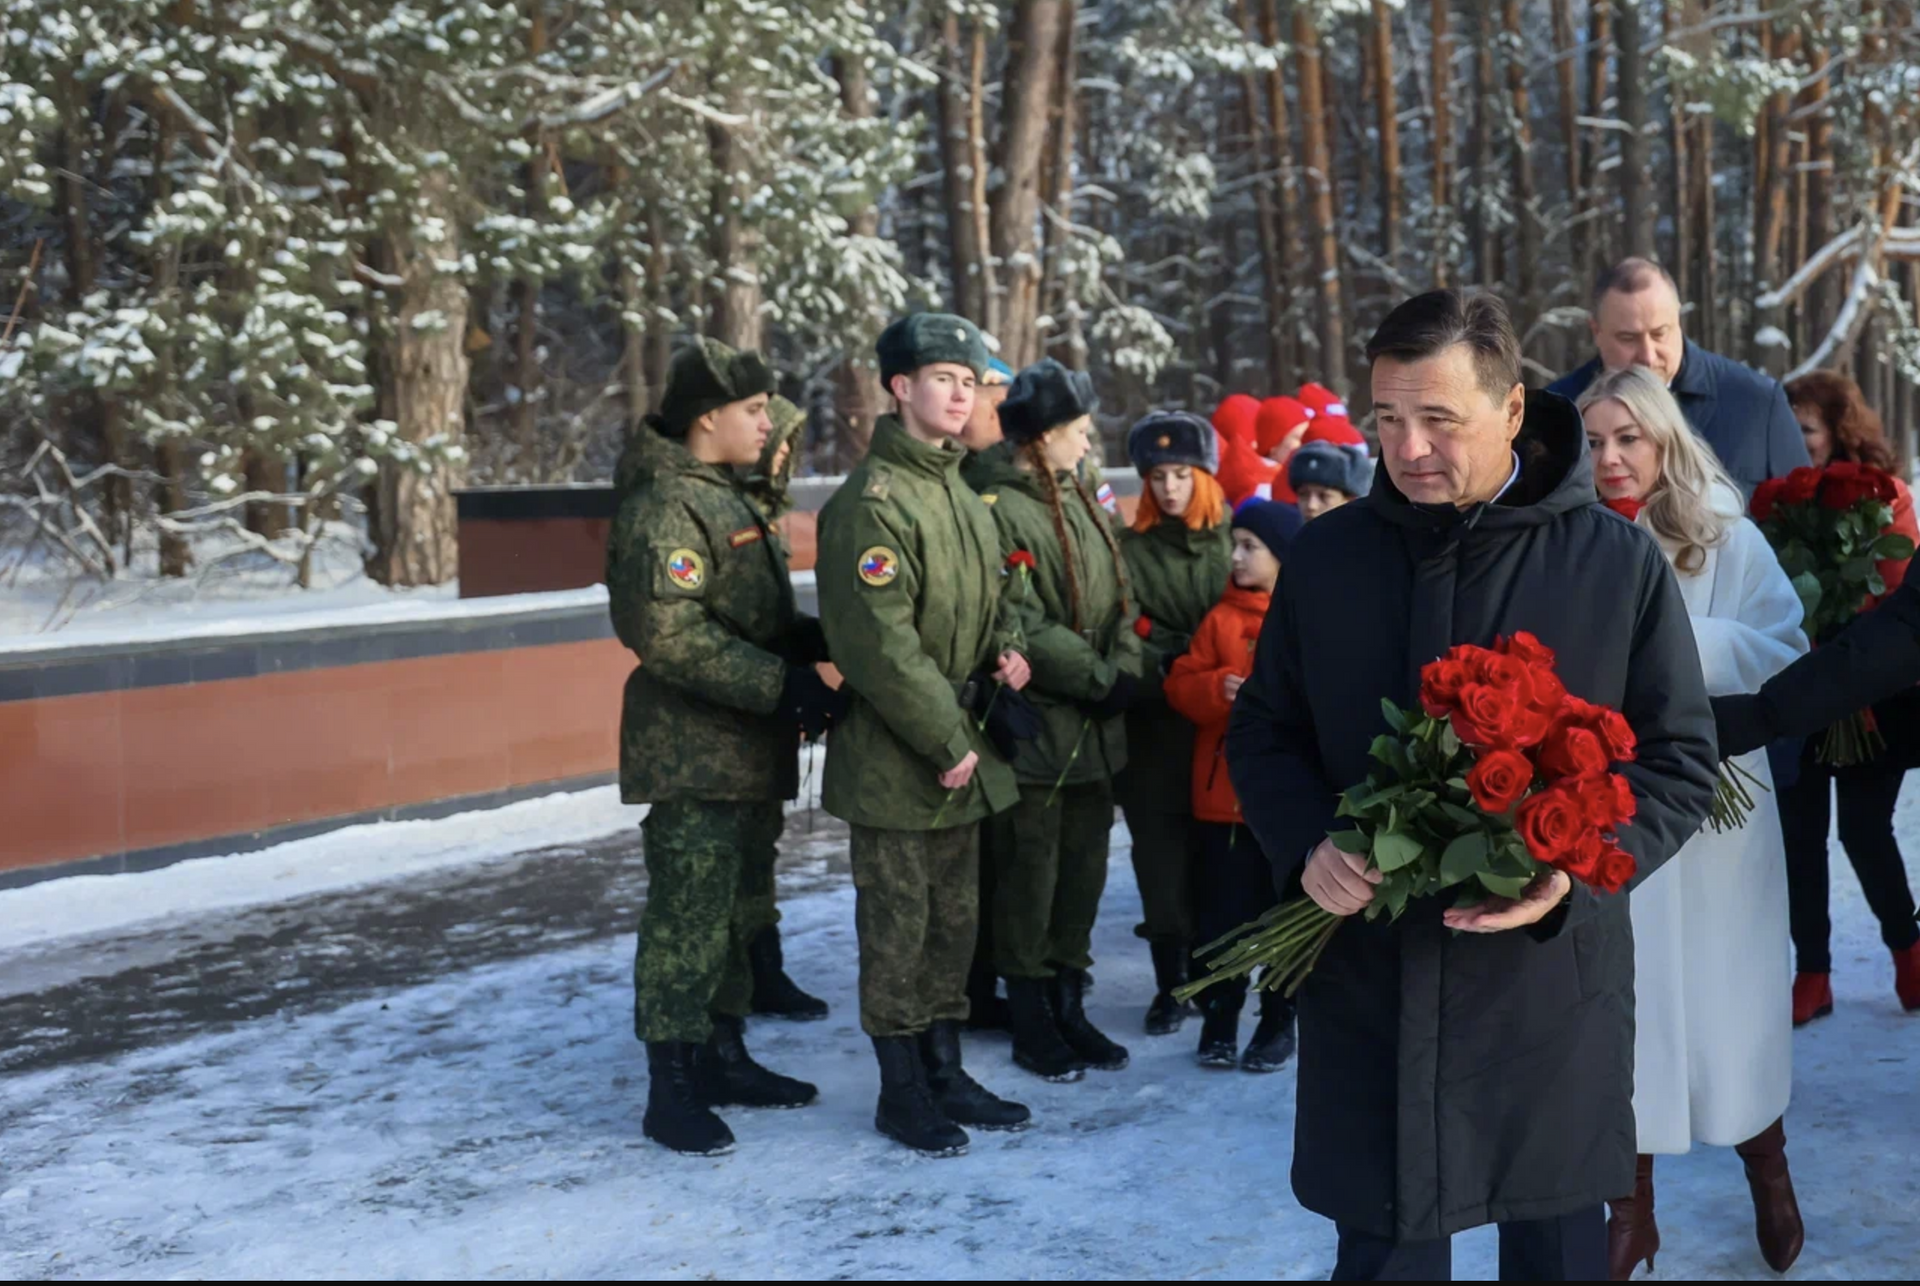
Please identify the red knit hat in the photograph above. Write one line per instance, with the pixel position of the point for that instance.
(1244, 472)
(1330, 422)
(1322, 400)
(1235, 417)
(1279, 416)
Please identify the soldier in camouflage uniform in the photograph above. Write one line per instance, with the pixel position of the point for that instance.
(910, 590)
(708, 731)
(767, 484)
(1052, 847)
(1179, 554)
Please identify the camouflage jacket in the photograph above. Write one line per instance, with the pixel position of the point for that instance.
(699, 590)
(910, 587)
(1069, 666)
(1177, 574)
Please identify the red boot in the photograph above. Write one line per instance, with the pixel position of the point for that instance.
(1906, 977)
(1813, 995)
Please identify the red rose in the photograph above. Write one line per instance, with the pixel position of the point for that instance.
(1440, 685)
(1020, 558)
(1800, 486)
(1616, 868)
(1765, 497)
(1573, 752)
(1531, 724)
(1532, 651)
(1625, 803)
(1841, 486)
(1616, 734)
(1499, 779)
(1583, 861)
(1549, 694)
(1884, 489)
(1608, 800)
(1485, 715)
(1551, 823)
(1143, 627)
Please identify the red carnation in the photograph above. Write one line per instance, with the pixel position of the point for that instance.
(1551, 823)
(1499, 779)
(1020, 558)
(1485, 715)
(1572, 751)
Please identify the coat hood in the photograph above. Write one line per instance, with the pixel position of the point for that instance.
(1556, 477)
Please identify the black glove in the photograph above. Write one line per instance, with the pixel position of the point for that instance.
(1740, 724)
(809, 702)
(807, 644)
(1116, 701)
(1012, 719)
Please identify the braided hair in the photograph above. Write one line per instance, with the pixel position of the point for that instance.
(1037, 459)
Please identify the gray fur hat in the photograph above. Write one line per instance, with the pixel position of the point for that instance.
(1173, 437)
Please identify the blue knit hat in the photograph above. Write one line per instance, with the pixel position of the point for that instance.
(1275, 522)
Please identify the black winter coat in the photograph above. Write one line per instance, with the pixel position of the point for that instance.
(1452, 1080)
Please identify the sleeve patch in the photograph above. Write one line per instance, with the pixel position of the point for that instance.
(879, 484)
(745, 536)
(1106, 498)
(879, 566)
(686, 570)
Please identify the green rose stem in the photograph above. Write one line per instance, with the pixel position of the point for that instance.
(1854, 740)
(1077, 743)
(1287, 940)
(1732, 801)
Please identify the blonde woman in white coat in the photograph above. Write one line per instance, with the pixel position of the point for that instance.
(1713, 1054)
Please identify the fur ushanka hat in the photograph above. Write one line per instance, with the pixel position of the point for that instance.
(1173, 437)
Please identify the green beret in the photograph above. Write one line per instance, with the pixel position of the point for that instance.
(705, 376)
(923, 339)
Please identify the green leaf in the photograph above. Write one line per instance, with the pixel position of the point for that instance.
(1460, 816)
(1464, 856)
(1893, 546)
(1395, 719)
(1856, 570)
(1876, 584)
(1395, 849)
(1449, 741)
(1807, 585)
(1506, 886)
(1460, 784)
(1354, 842)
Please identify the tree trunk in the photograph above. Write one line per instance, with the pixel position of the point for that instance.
(1526, 215)
(1033, 42)
(735, 247)
(859, 377)
(411, 517)
(1265, 147)
(1058, 198)
(659, 350)
(1482, 235)
(1698, 208)
(1385, 99)
(1771, 178)
(1568, 72)
(1319, 178)
(169, 495)
(523, 414)
(1440, 140)
(635, 323)
(1821, 302)
(1286, 195)
(1633, 144)
(1599, 35)
(966, 249)
(1680, 261)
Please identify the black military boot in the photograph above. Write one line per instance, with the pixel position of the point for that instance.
(1273, 1040)
(1086, 1040)
(986, 1010)
(1220, 1023)
(1038, 1045)
(964, 1100)
(774, 994)
(730, 1078)
(907, 1112)
(1165, 1014)
(676, 1117)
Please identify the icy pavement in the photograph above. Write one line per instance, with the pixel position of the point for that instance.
(482, 1120)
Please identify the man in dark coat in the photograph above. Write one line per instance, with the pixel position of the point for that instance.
(1876, 657)
(1466, 1066)
(1742, 414)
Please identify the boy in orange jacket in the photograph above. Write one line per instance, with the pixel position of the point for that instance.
(1236, 882)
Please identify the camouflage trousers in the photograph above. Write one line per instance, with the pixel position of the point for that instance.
(754, 906)
(691, 961)
(916, 904)
(1166, 866)
(1051, 869)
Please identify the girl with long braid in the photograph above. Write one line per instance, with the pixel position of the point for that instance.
(1078, 625)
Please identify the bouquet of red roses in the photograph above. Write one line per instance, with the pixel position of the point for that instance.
(1829, 529)
(1499, 776)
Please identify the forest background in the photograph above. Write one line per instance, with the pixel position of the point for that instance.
(276, 267)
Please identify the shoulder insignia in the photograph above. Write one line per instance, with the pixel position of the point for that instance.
(1105, 496)
(686, 569)
(990, 497)
(879, 565)
(745, 536)
(879, 484)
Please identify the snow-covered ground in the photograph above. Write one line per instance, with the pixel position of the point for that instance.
(487, 1125)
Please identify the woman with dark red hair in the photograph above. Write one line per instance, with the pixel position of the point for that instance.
(1839, 425)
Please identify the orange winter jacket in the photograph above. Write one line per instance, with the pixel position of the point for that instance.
(1195, 687)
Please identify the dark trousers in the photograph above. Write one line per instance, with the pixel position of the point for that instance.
(1235, 887)
(1572, 1248)
(1867, 794)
